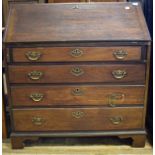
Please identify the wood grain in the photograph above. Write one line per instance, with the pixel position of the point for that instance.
(58, 54)
(63, 119)
(72, 1)
(91, 73)
(90, 22)
(54, 29)
(65, 1)
(90, 95)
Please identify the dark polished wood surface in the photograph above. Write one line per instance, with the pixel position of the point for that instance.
(58, 54)
(85, 66)
(63, 119)
(76, 22)
(97, 95)
(65, 1)
(73, 1)
(135, 73)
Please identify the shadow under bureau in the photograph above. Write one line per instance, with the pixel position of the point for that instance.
(77, 70)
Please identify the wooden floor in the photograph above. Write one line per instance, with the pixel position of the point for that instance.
(85, 146)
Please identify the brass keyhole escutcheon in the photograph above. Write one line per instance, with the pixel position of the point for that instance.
(77, 92)
(77, 71)
(76, 53)
(78, 114)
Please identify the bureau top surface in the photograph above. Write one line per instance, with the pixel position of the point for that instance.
(76, 22)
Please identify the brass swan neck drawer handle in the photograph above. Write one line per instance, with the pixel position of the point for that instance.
(78, 114)
(119, 74)
(77, 71)
(37, 97)
(38, 121)
(113, 97)
(116, 120)
(35, 75)
(120, 54)
(33, 55)
(77, 92)
(76, 53)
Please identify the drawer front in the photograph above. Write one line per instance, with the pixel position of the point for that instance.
(67, 119)
(77, 73)
(76, 95)
(57, 54)
(65, 1)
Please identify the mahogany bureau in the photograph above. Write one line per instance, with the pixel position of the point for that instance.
(77, 70)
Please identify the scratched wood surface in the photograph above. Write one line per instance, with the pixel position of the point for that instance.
(66, 146)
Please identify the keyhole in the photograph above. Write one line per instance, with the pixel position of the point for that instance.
(77, 69)
(77, 89)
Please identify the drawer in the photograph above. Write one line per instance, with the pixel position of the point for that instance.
(65, 1)
(57, 54)
(77, 95)
(134, 73)
(73, 119)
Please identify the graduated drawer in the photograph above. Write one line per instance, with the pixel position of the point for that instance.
(77, 73)
(67, 119)
(77, 95)
(58, 54)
